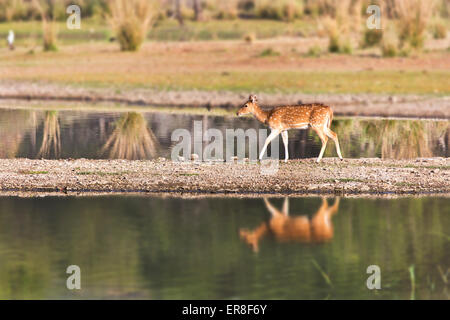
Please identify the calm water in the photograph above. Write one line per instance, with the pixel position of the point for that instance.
(155, 248)
(132, 135)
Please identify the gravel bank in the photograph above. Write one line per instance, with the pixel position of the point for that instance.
(351, 177)
(343, 104)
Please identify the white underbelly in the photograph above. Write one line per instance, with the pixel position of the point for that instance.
(300, 126)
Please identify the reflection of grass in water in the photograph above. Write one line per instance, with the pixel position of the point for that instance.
(404, 139)
(393, 139)
(51, 138)
(15, 124)
(323, 273)
(131, 139)
(413, 282)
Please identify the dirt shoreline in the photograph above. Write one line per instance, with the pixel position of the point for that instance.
(363, 177)
(367, 105)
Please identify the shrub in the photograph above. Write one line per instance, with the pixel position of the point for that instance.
(405, 50)
(269, 52)
(346, 46)
(48, 25)
(50, 33)
(250, 38)
(131, 20)
(372, 38)
(413, 18)
(227, 10)
(389, 44)
(286, 10)
(314, 51)
(439, 31)
(334, 42)
(339, 24)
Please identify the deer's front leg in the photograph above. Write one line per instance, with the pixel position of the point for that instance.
(271, 136)
(285, 137)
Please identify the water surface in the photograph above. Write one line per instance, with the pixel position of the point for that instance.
(51, 134)
(137, 247)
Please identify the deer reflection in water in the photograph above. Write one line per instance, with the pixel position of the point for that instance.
(51, 136)
(294, 229)
(131, 139)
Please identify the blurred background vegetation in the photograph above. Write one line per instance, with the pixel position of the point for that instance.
(406, 23)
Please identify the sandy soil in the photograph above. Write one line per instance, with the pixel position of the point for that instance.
(349, 177)
(343, 104)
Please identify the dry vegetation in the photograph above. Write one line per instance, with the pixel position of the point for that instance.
(131, 21)
(408, 22)
(47, 16)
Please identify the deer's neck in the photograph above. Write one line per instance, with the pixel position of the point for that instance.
(260, 114)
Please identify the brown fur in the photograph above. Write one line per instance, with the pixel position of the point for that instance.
(294, 229)
(280, 119)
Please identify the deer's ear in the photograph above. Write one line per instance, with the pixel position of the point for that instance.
(252, 98)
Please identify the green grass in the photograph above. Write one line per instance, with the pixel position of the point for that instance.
(433, 82)
(168, 30)
(188, 174)
(269, 52)
(230, 30)
(380, 82)
(30, 32)
(100, 173)
(345, 180)
(32, 172)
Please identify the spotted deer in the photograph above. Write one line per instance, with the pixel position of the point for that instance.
(285, 228)
(281, 119)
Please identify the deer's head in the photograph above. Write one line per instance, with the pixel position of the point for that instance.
(248, 107)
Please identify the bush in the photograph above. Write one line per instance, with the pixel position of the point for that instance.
(334, 42)
(131, 20)
(269, 52)
(48, 25)
(129, 35)
(250, 38)
(314, 51)
(389, 44)
(439, 31)
(227, 10)
(346, 47)
(50, 37)
(405, 50)
(372, 38)
(286, 10)
(338, 44)
(413, 18)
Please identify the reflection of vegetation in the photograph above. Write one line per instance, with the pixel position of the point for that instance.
(134, 247)
(393, 139)
(131, 139)
(51, 136)
(14, 126)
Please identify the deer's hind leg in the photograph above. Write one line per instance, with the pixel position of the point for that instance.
(323, 137)
(334, 136)
(285, 137)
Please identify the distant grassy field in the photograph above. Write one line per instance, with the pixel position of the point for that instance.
(231, 66)
(30, 32)
(266, 81)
